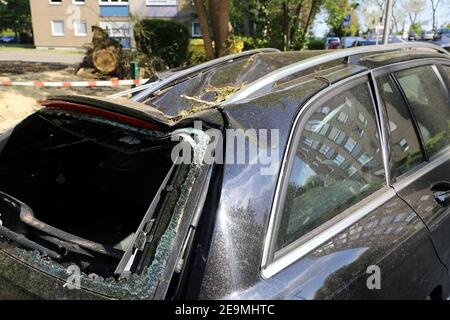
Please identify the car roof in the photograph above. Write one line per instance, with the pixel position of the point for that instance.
(356, 56)
(275, 105)
(268, 82)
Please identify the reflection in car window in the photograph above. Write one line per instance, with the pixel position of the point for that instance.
(404, 143)
(447, 73)
(337, 163)
(430, 105)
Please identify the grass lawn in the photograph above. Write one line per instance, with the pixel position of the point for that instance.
(19, 48)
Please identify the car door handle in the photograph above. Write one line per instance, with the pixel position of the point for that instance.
(441, 193)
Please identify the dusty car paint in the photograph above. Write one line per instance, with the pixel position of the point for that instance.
(226, 255)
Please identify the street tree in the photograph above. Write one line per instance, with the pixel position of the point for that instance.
(15, 15)
(214, 15)
(337, 11)
(373, 12)
(414, 9)
(284, 24)
(298, 16)
(398, 19)
(434, 6)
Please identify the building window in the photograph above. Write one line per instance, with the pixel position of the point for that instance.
(55, 2)
(324, 149)
(313, 125)
(343, 117)
(362, 119)
(324, 129)
(325, 110)
(161, 2)
(57, 28)
(334, 133)
(80, 28)
(350, 144)
(364, 159)
(196, 32)
(339, 160)
(308, 141)
(114, 2)
(79, 2)
(351, 170)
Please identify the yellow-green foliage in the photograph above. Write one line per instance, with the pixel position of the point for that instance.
(234, 44)
(220, 94)
(197, 50)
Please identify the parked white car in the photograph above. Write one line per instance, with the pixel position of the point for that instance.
(427, 35)
(346, 42)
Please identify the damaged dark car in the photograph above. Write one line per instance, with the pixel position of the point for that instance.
(93, 204)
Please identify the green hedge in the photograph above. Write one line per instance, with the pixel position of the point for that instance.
(316, 44)
(168, 40)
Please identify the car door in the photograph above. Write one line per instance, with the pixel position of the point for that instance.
(426, 187)
(337, 218)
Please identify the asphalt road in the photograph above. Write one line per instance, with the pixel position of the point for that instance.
(34, 55)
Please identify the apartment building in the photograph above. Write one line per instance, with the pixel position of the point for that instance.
(182, 11)
(68, 23)
(63, 23)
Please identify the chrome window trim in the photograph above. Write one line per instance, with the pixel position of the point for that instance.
(291, 69)
(270, 266)
(351, 218)
(403, 65)
(159, 84)
(440, 79)
(436, 160)
(383, 128)
(435, 64)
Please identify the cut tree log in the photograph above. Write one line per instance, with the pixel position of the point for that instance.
(105, 60)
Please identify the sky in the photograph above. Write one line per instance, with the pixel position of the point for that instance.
(320, 28)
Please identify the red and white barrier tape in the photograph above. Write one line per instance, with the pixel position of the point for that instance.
(108, 83)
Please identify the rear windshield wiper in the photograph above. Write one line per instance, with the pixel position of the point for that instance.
(27, 217)
(24, 242)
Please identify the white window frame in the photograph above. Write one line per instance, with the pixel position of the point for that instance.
(79, 2)
(170, 3)
(50, 2)
(52, 23)
(193, 29)
(75, 29)
(110, 3)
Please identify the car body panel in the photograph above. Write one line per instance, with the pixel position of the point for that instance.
(383, 252)
(416, 191)
(391, 237)
(228, 265)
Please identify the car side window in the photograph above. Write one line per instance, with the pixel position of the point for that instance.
(404, 143)
(337, 163)
(430, 105)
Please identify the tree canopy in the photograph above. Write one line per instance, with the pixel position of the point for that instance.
(15, 15)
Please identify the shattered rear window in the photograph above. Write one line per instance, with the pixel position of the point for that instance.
(75, 194)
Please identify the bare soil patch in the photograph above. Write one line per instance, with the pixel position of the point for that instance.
(16, 68)
(16, 102)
